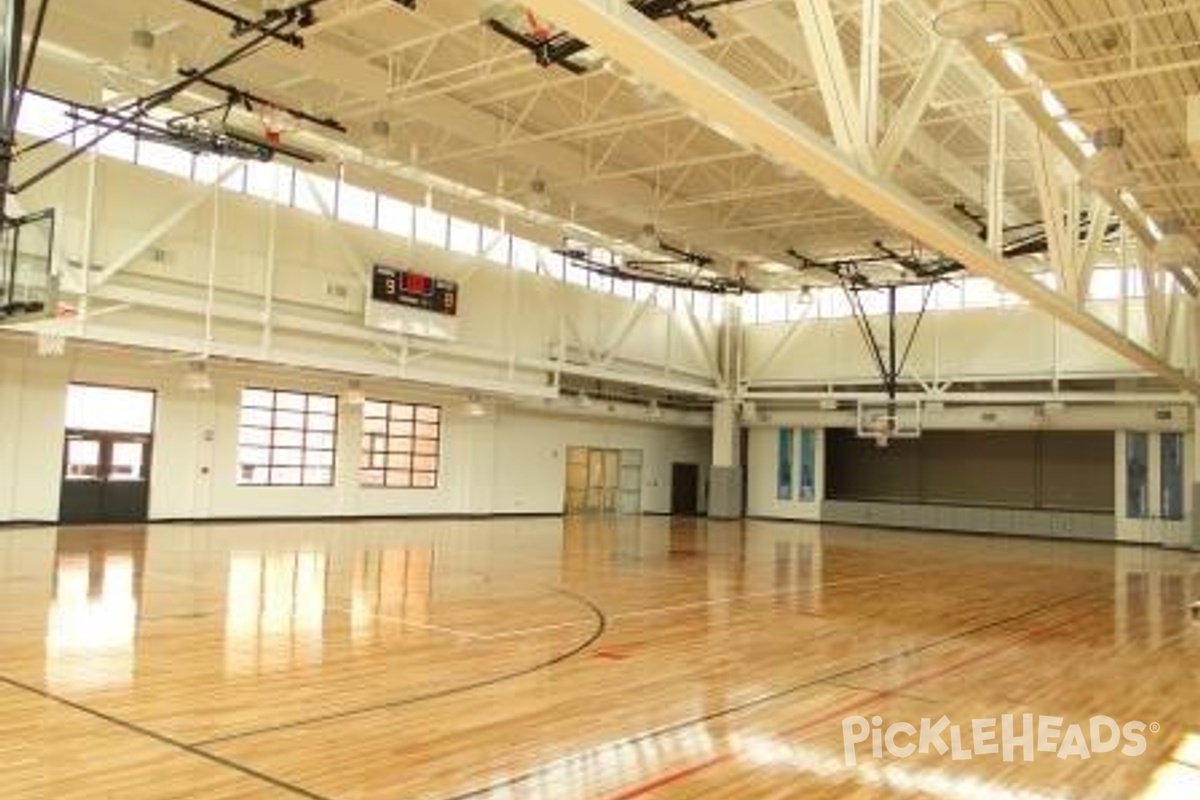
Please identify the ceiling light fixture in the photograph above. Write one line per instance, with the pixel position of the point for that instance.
(1109, 168)
(647, 237)
(1015, 61)
(990, 20)
(537, 198)
(1053, 106)
(379, 139)
(140, 57)
(197, 378)
(473, 407)
(1175, 249)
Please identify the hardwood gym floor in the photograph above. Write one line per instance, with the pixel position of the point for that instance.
(543, 658)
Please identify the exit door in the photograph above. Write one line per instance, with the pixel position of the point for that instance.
(106, 473)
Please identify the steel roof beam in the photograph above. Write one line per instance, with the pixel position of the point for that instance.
(627, 36)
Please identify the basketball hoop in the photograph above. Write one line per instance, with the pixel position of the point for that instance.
(884, 420)
(275, 122)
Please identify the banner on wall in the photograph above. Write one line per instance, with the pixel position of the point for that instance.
(783, 465)
(808, 465)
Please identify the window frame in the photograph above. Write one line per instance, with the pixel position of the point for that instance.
(272, 448)
(389, 418)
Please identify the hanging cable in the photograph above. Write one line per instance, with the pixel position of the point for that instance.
(144, 105)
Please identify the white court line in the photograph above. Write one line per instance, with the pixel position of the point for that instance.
(349, 611)
(646, 612)
(424, 626)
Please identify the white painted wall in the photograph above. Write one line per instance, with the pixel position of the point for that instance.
(508, 461)
(762, 497)
(510, 322)
(983, 344)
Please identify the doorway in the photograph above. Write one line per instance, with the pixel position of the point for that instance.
(107, 448)
(603, 481)
(685, 489)
(629, 498)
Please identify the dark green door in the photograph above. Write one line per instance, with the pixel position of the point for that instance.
(106, 477)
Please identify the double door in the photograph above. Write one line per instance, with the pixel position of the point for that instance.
(106, 477)
(603, 481)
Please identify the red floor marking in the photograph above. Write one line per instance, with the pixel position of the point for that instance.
(668, 778)
(672, 777)
(941, 671)
(611, 654)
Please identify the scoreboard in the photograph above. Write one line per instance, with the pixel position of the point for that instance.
(414, 290)
(412, 304)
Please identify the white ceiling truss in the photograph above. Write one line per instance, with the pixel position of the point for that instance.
(821, 125)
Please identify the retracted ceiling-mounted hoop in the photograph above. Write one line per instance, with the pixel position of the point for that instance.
(275, 123)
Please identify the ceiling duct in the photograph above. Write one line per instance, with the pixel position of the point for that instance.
(1109, 168)
(965, 20)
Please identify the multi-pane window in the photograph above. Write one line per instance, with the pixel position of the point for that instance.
(286, 438)
(400, 444)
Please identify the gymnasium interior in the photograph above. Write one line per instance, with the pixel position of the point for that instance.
(599, 399)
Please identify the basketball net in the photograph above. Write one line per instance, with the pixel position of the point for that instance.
(51, 341)
(879, 429)
(51, 344)
(538, 29)
(275, 123)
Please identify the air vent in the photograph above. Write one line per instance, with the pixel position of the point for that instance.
(1163, 415)
(988, 416)
(338, 290)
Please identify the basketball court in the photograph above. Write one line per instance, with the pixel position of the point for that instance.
(594, 400)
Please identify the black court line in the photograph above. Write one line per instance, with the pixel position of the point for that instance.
(768, 697)
(883, 690)
(195, 748)
(133, 727)
(600, 627)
